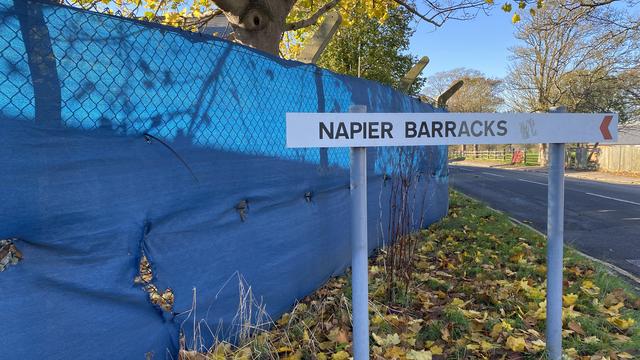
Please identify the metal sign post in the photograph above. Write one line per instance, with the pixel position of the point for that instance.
(359, 250)
(555, 247)
(359, 130)
(359, 253)
(555, 239)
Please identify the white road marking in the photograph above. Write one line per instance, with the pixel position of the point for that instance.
(492, 174)
(459, 168)
(533, 182)
(614, 199)
(605, 211)
(631, 219)
(635, 262)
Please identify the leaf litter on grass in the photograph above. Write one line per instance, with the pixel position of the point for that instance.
(477, 292)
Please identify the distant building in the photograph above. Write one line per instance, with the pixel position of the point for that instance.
(622, 156)
(629, 135)
(217, 26)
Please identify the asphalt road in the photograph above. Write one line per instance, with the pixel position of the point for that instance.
(601, 219)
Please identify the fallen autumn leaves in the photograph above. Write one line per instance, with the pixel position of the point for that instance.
(477, 292)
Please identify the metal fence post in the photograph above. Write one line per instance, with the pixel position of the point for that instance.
(359, 251)
(555, 243)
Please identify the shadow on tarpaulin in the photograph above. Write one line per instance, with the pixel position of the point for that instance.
(120, 138)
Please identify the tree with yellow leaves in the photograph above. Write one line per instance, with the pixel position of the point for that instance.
(262, 23)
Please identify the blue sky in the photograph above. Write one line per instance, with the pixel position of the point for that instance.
(482, 44)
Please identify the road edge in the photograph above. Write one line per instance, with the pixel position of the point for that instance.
(535, 171)
(622, 272)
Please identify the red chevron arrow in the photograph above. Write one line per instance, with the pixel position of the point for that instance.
(604, 127)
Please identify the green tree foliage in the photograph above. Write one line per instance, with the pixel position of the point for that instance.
(588, 91)
(372, 49)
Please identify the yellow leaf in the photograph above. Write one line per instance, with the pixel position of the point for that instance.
(419, 355)
(589, 288)
(506, 326)
(436, 350)
(622, 324)
(625, 355)
(496, 331)
(569, 313)
(473, 347)
(377, 339)
(393, 353)
(613, 310)
(246, 354)
(393, 339)
(541, 313)
(472, 314)
(538, 345)
(445, 334)
(340, 355)
(591, 340)
(284, 349)
(569, 299)
(515, 343)
(296, 356)
(486, 346)
(516, 258)
(515, 18)
(572, 353)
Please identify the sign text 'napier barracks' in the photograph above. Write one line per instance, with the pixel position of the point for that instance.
(410, 129)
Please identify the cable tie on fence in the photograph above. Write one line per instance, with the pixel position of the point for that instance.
(307, 196)
(242, 208)
(385, 177)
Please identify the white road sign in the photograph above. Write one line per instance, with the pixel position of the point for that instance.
(307, 130)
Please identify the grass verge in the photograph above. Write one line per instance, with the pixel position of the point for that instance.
(477, 292)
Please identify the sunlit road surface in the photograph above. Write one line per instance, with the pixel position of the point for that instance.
(601, 219)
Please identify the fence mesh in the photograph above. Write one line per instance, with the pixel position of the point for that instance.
(99, 71)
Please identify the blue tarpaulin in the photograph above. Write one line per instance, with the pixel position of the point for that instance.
(119, 138)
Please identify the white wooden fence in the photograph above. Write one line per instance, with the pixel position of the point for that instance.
(620, 158)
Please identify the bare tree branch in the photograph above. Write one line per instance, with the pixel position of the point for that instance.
(593, 4)
(437, 15)
(313, 19)
(232, 6)
(203, 20)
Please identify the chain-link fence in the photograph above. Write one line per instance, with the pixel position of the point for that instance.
(73, 68)
(99, 118)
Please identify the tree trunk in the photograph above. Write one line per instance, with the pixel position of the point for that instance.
(593, 151)
(257, 23)
(542, 155)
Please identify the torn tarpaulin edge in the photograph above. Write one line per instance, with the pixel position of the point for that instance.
(9, 253)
